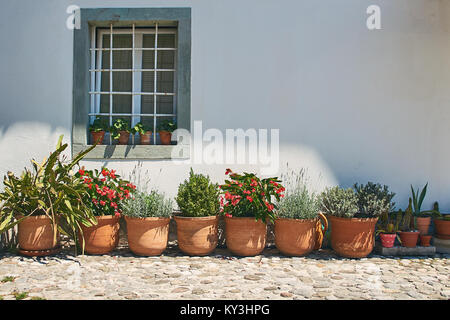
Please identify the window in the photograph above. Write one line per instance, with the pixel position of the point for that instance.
(132, 64)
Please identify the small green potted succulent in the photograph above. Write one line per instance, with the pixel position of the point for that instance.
(147, 216)
(388, 226)
(165, 129)
(98, 129)
(197, 223)
(298, 226)
(145, 132)
(408, 234)
(121, 130)
(441, 223)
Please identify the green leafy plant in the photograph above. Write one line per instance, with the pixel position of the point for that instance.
(145, 205)
(48, 189)
(120, 125)
(198, 196)
(373, 200)
(99, 124)
(141, 128)
(417, 200)
(167, 125)
(299, 202)
(339, 202)
(389, 222)
(246, 195)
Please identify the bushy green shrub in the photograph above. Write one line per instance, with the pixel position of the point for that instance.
(373, 200)
(198, 196)
(299, 202)
(145, 205)
(339, 202)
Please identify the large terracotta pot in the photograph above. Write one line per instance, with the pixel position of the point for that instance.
(97, 136)
(37, 233)
(103, 237)
(298, 237)
(147, 236)
(124, 137)
(197, 236)
(352, 237)
(423, 224)
(146, 138)
(442, 229)
(409, 239)
(165, 137)
(245, 236)
(387, 239)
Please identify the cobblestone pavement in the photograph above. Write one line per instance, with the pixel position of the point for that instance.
(320, 275)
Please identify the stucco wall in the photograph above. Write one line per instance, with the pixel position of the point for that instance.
(352, 105)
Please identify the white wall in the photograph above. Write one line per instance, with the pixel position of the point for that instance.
(352, 105)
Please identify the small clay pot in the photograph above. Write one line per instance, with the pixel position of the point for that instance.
(146, 137)
(423, 224)
(103, 237)
(37, 233)
(124, 137)
(425, 240)
(97, 136)
(147, 236)
(197, 236)
(409, 238)
(352, 237)
(442, 229)
(387, 239)
(245, 236)
(165, 137)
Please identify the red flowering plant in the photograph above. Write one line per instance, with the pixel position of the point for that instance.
(247, 195)
(105, 191)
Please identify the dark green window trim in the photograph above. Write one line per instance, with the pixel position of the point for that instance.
(103, 17)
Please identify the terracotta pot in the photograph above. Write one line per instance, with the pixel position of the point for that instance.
(97, 136)
(388, 239)
(425, 240)
(423, 224)
(37, 233)
(146, 138)
(197, 236)
(409, 239)
(124, 137)
(103, 237)
(147, 236)
(442, 229)
(165, 137)
(352, 237)
(298, 237)
(245, 236)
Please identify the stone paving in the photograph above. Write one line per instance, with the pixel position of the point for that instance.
(320, 275)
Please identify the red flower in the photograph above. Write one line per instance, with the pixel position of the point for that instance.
(253, 183)
(249, 198)
(117, 213)
(105, 172)
(228, 215)
(102, 202)
(228, 196)
(228, 171)
(112, 174)
(81, 172)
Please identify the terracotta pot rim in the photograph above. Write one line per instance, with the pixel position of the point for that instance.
(426, 236)
(37, 217)
(146, 133)
(243, 218)
(297, 220)
(408, 232)
(388, 234)
(441, 219)
(146, 218)
(176, 217)
(107, 217)
(424, 218)
(352, 219)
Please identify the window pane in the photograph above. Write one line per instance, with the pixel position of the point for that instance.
(121, 103)
(147, 121)
(164, 104)
(104, 103)
(166, 59)
(166, 40)
(148, 81)
(148, 41)
(164, 81)
(147, 104)
(122, 81)
(119, 41)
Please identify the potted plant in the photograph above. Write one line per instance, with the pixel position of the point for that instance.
(408, 234)
(197, 224)
(248, 207)
(45, 202)
(106, 195)
(147, 217)
(387, 228)
(423, 218)
(353, 215)
(145, 132)
(98, 129)
(120, 130)
(441, 223)
(298, 226)
(165, 130)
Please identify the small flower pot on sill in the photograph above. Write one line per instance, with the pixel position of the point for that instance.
(165, 137)
(245, 236)
(97, 136)
(197, 236)
(147, 236)
(146, 138)
(298, 237)
(124, 137)
(425, 240)
(37, 234)
(387, 239)
(409, 238)
(103, 237)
